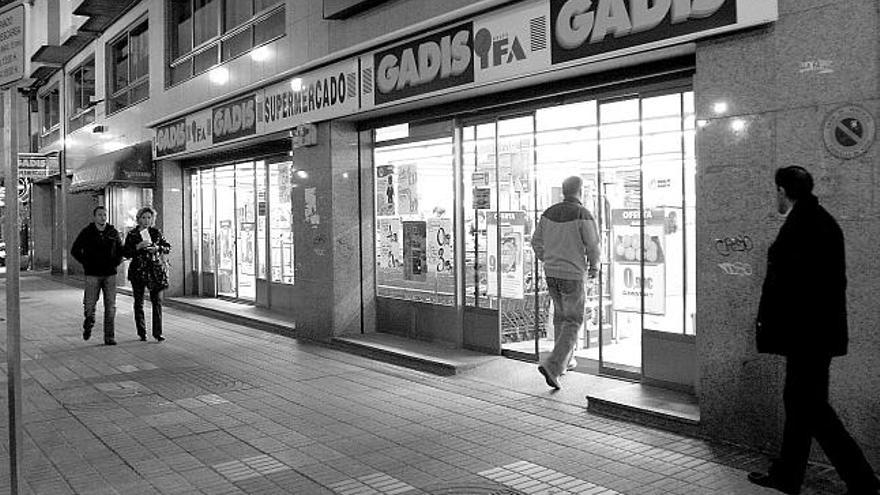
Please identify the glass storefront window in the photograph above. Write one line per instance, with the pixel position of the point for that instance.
(281, 221)
(414, 194)
(262, 213)
(207, 234)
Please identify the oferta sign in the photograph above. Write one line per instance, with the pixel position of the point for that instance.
(584, 28)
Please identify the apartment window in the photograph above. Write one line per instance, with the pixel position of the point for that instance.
(206, 33)
(128, 57)
(50, 112)
(82, 89)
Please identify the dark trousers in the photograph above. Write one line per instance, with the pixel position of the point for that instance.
(95, 287)
(155, 301)
(808, 415)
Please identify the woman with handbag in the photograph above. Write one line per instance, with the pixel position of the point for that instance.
(147, 248)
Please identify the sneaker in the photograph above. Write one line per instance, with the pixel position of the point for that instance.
(87, 334)
(551, 380)
(110, 342)
(160, 339)
(572, 365)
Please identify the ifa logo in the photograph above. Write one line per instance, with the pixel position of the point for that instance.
(496, 50)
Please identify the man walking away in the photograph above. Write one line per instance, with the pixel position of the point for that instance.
(567, 241)
(98, 249)
(802, 316)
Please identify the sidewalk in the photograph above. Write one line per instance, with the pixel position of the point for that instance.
(222, 408)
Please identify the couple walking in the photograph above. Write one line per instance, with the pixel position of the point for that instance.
(99, 249)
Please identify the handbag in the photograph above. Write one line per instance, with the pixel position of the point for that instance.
(152, 271)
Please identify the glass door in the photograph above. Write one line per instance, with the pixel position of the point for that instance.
(245, 231)
(498, 157)
(227, 273)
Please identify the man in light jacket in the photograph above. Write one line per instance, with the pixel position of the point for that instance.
(567, 241)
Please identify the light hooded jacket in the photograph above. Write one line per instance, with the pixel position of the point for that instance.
(567, 241)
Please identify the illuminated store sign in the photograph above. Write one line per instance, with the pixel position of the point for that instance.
(323, 94)
(582, 28)
(235, 119)
(440, 60)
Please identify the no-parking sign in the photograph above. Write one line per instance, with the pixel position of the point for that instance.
(849, 131)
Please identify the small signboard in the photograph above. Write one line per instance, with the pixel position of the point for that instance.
(35, 165)
(12, 45)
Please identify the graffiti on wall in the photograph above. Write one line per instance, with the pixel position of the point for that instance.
(732, 245)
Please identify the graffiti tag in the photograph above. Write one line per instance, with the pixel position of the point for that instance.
(737, 244)
(736, 269)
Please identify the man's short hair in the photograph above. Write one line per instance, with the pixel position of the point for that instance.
(99, 207)
(797, 182)
(572, 186)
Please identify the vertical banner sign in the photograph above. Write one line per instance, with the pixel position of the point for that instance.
(511, 43)
(585, 28)
(407, 189)
(12, 45)
(509, 242)
(629, 249)
(424, 65)
(385, 191)
(441, 257)
(415, 262)
(390, 255)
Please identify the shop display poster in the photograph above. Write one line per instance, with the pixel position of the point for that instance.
(415, 262)
(510, 245)
(311, 208)
(629, 247)
(440, 248)
(407, 189)
(390, 253)
(385, 190)
(482, 198)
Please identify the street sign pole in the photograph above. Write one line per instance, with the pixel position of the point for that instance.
(13, 262)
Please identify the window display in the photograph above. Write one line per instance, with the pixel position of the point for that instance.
(414, 231)
(281, 221)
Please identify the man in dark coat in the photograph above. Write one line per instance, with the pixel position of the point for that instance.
(98, 248)
(802, 316)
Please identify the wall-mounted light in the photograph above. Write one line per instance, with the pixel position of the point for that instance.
(738, 125)
(302, 174)
(261, 54)
(219, 75)
(296, 83)
(720, 107)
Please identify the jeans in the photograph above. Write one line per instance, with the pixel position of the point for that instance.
(568, 316)
(95, 286)
(808, 415)
(155, 301)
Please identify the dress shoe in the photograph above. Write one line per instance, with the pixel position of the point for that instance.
(143, 338)
(87, 334)
(766, 480)
(550, 379)
(160, 339)
(110, 342)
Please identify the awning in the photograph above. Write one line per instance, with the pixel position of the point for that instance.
(131, 166)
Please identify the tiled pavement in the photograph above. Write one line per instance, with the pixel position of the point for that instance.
(223, 409)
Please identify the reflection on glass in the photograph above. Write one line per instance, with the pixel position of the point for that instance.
(225, 186)
(208, 238)
(246, 230)
(262, 213)
(414, 230)
(281, 222)
(195, 224)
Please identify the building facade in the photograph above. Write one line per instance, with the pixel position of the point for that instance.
(380, 166)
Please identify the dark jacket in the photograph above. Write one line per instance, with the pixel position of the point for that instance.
(141, 258)
(803, 300)
(99, 252)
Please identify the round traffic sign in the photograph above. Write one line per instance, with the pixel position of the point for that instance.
(849, 131)
(24, 187)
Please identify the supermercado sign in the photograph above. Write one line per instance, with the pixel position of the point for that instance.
(324, 94)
